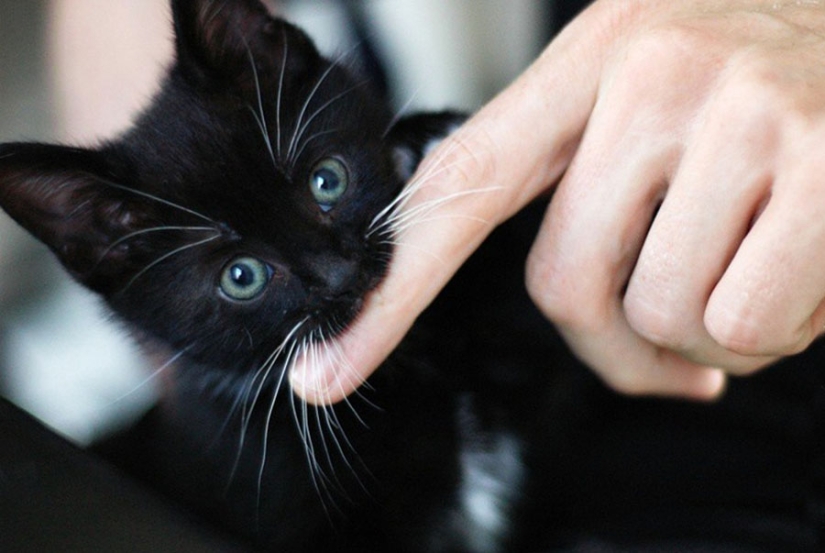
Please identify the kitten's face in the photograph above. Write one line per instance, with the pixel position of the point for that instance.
(244, 207)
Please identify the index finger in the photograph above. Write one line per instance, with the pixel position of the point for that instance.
(503, 157)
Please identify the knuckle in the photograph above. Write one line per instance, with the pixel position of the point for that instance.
(747, 92)
(662, 54)
(660, 323)
(556, 290)
(547, 286)
(759, 96)
(657, 301)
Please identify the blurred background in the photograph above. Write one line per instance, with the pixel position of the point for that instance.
(77, 71)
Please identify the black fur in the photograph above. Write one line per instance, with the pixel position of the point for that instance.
(219, 169)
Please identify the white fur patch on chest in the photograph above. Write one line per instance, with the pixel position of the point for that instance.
(492, 474)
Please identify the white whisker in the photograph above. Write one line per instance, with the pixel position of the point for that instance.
(157, 372)
(414, 219)
(166, 256)
(280, 91)
(268, 365)
(435, 168)
(337, 356)
(268, 419)
(261, 376)
(345, 367)
(260, 118)
(401, 244)
(141, 232)
(333, 424)
(310, 139)
(432, 170)
(300, 417)
(299, 124)
(400, 113)
(402, 220)
(158, 199)
(293, 154)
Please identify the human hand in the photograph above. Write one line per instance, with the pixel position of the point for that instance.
(685, 238)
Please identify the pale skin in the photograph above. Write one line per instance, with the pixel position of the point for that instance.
(709, 115)
(107, 59)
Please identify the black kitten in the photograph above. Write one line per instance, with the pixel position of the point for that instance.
(241, 222)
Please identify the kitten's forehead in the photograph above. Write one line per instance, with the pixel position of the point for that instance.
(233, 139)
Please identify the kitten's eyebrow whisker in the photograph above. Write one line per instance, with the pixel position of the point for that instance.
(308, 140)
(159, 200)
(166, 256)
(299, 124)
(292, 155)
(279, 96)
(261, 117)
(262, 127)
(141, 232)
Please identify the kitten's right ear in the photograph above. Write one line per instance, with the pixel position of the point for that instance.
(61, 196)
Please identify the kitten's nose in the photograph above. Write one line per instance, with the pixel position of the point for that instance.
(336, 275)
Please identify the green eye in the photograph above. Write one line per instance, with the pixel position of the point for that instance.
(245, 278)
(328, 182)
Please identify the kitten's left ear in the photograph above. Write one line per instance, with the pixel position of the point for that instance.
(61, 196)
(216, 39)
(415, 136)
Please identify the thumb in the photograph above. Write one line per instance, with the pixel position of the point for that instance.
(499, 160)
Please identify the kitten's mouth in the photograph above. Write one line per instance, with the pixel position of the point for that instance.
(328, 314)
(335, 315)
